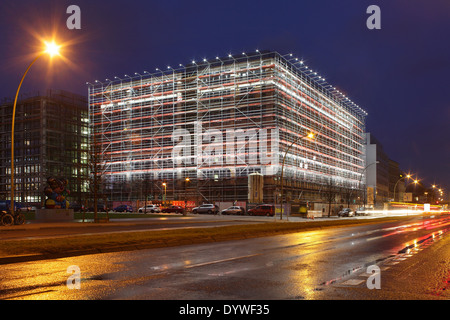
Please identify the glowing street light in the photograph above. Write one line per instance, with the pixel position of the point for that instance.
(51, 49)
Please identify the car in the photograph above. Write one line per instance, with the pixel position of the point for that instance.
(100, 208)
(173, 209)
(150, 208)
(6, 205)
(76, 207)
(363, 211)
(346, 212)
(123, 208)
(206, 208)
(262, 210)
(234, 210)
(24, 207)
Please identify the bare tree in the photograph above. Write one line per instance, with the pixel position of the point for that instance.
(329, 193)
(96, 174)
(347, 195)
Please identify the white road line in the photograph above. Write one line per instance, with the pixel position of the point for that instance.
(220, 261)
(353, 282)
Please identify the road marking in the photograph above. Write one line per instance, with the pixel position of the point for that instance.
(400, 259)
(365, 274)
(185, 265)
(220, 261)
(353, 282)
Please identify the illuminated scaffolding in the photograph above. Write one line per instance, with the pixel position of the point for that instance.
(219, 120)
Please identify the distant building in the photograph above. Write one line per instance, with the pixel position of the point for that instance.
(51, 139)
(377, 172)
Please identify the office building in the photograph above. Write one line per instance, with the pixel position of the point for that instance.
(51, 139)
(218, 121)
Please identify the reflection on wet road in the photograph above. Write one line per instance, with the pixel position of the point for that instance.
(294, 266)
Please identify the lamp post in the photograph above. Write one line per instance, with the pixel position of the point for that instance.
(186, 181)
(435, 190)
(309, 136)
(415, 181)
(51, 49)
(408, 176)
(360, 178)
(165, 190)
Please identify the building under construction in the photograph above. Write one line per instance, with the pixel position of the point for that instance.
(197, 133)
(51, 140)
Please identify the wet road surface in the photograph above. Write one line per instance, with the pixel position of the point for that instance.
(34, 230)
(322, 264)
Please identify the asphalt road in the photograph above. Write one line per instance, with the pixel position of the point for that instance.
(413, 258)
(38, 230)
(33, 230)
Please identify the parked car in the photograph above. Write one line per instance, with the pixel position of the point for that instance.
(346, 212)
(5, 205)
(100, 208)
(24, 207)
(206, 208)
(150, 208)
(173, 209)
(76, 207)
(262, 210)
(363, 211)
(234, 210)
(123, 208)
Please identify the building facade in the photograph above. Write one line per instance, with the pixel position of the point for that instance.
(377, 172)
(198, 132)
(51, 139)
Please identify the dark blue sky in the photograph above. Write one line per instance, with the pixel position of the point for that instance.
(399, 74)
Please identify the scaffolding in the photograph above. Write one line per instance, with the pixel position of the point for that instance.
(216, 122)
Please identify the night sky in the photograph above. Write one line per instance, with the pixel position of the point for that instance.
(398, 74)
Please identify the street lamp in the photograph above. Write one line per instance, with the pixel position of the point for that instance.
(408, 176)
(186, 181)
(51, 49)
(310, 136)
(165, 190)
(437, 189)
(365, 186)
(415, 181)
